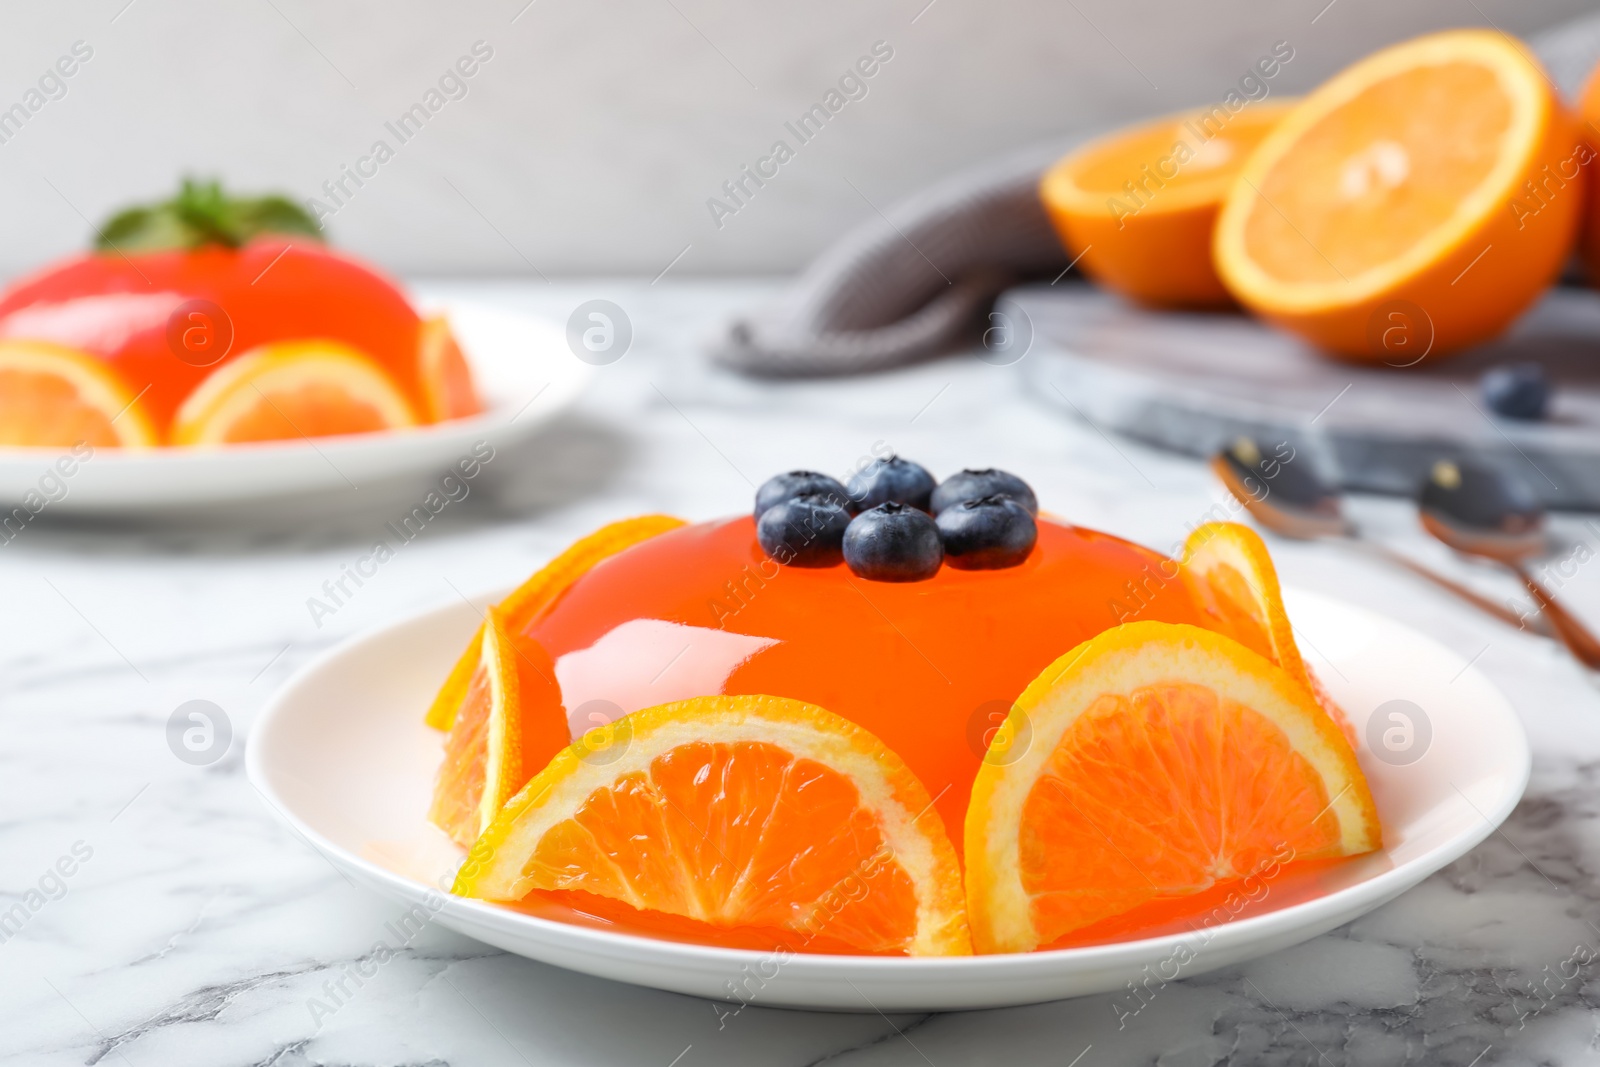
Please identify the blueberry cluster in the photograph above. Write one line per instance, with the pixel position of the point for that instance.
(894, 523)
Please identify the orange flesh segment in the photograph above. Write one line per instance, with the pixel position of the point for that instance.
(1209, 158)
(43, 409)
(458, 791)
(1127, 810)
(445, 376)
(52, 396)
(1237, 612)
(321, 409)
(1380, 174)
(663, 841)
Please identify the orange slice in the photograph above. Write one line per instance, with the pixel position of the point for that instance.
(1139, 206)
(537, 593)
(1230, 575)
(1157, 760)
(445, 376)
(483, 763)
(1410, 204)
(289, 390)
(745, 811)
(55, 397)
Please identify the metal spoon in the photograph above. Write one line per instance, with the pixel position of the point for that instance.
(1479, 510)
(1289, 498)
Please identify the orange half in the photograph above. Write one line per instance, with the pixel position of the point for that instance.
(1154, 761)
(289, 390)
(738, 812)
(1414, 203)
(483, 764)
(1138, 207)
(55, 397)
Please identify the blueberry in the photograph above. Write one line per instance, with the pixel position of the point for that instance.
(807, 531)
(893, 543)
(1517, 390)
(974, 485)
(787, 486)
(891, 480)
(987, 533)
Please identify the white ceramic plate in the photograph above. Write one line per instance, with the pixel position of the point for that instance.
(342, 755)
(524, 371)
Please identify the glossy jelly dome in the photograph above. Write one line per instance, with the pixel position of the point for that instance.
(930, 667)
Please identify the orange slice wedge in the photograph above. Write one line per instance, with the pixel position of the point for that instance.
(1139, 206)
(746, 811)
(538, 592)
(444, 375)
(55, 397)
(1157, 760)
(1414, 203)
(483, 763)
(1230, 575)
(1589, 226)
(290, 390)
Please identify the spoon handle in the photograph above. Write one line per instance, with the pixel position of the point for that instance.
(1574, 634)
(1535, 623)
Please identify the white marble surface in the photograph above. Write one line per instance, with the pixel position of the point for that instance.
(197, 929)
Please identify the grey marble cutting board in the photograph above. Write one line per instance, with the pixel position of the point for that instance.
(1192, 381)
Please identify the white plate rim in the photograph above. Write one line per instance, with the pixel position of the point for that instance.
(1315, 915)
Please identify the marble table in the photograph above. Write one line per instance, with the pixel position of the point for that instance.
(180, 924)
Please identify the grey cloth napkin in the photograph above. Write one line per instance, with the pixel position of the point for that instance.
(906, 285)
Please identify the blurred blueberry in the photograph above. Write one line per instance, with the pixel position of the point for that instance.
(893, 543)
(990, 532)
(974, 485)
(892, 480)
(1517, 391)
(807, 531)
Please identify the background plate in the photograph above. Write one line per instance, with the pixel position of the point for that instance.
(1194, 381)
(525, 375)
(342, 756)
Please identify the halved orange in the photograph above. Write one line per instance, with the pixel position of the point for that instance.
(55, 397)
(1230, 576)
(1407, 204)
(1138, 206)
(443, 372)
(483, 763)
(739, 812)
(1580, 168)
(539, 591)
(1157, 760)
(288, 390)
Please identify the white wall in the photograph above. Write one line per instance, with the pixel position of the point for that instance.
(593, 137)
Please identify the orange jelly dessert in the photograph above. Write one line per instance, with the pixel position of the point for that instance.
(890, 718)
(212, 319)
